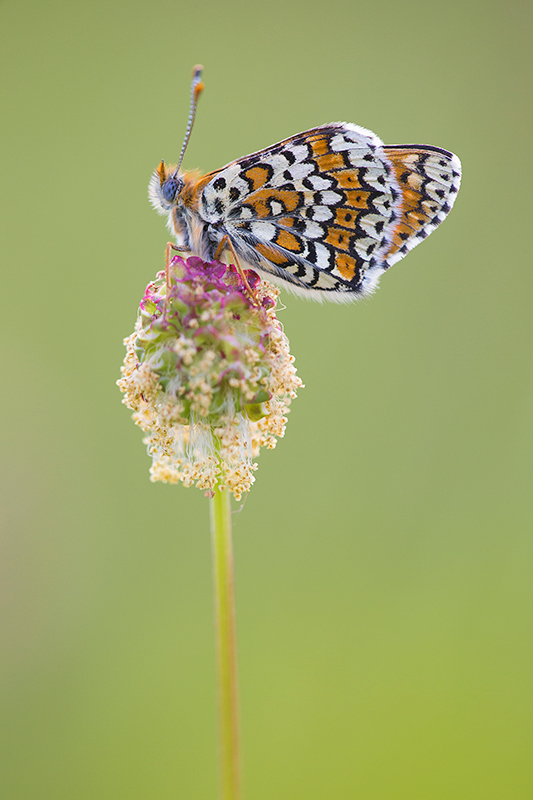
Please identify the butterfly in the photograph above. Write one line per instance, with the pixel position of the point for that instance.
(323, 213)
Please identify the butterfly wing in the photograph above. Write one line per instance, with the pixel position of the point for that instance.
(318, 211)
(429, 179)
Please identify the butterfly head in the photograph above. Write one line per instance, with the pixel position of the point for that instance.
(165, 186)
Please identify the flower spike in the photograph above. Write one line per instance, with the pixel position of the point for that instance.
(208, 375)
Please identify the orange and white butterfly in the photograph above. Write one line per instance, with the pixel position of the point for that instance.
(323, 213)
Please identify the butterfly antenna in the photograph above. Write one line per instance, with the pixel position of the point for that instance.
(196, 88)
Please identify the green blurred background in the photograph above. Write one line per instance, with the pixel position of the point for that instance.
(384, 555)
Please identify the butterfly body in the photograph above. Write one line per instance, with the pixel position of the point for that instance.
(323, 213)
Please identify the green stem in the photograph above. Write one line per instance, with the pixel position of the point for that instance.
(226, 651)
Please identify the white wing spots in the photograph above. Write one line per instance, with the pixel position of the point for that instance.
(299, 151)
(325, 281)
(298, 171)
(313, 230)
(323, 256)
(214, 202)
(276, 208)
(263, 230)
(383, 203)
(214, 208)
(330, 198)
(438, 173)
(375, 176)
(435, 191)
(444, 175)
(278, 162)
(372, 224)
(224, 191)
(365, 247)
(238, 191)
(320, 213)
(430, 207)
(292, 268)
(318, 182)
(340, 142)
(245, 213)
(229, 173)
(359, 159)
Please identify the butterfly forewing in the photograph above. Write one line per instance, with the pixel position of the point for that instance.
(315, 209)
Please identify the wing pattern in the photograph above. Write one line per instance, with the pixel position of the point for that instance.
(429, 179)
(332, 208)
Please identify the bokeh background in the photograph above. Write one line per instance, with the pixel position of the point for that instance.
(384, 555)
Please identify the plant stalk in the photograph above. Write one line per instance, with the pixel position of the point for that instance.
(226, 646)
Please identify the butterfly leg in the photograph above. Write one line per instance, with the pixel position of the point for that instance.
(220, 249)
(170, 247)
(168, 258)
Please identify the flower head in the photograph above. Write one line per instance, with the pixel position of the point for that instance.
(208, 375)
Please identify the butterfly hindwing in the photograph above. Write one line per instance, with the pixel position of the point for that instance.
(429, 180)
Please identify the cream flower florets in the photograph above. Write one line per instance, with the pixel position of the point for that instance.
(208, 375)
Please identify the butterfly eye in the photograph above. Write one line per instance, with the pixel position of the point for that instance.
(169, 189)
